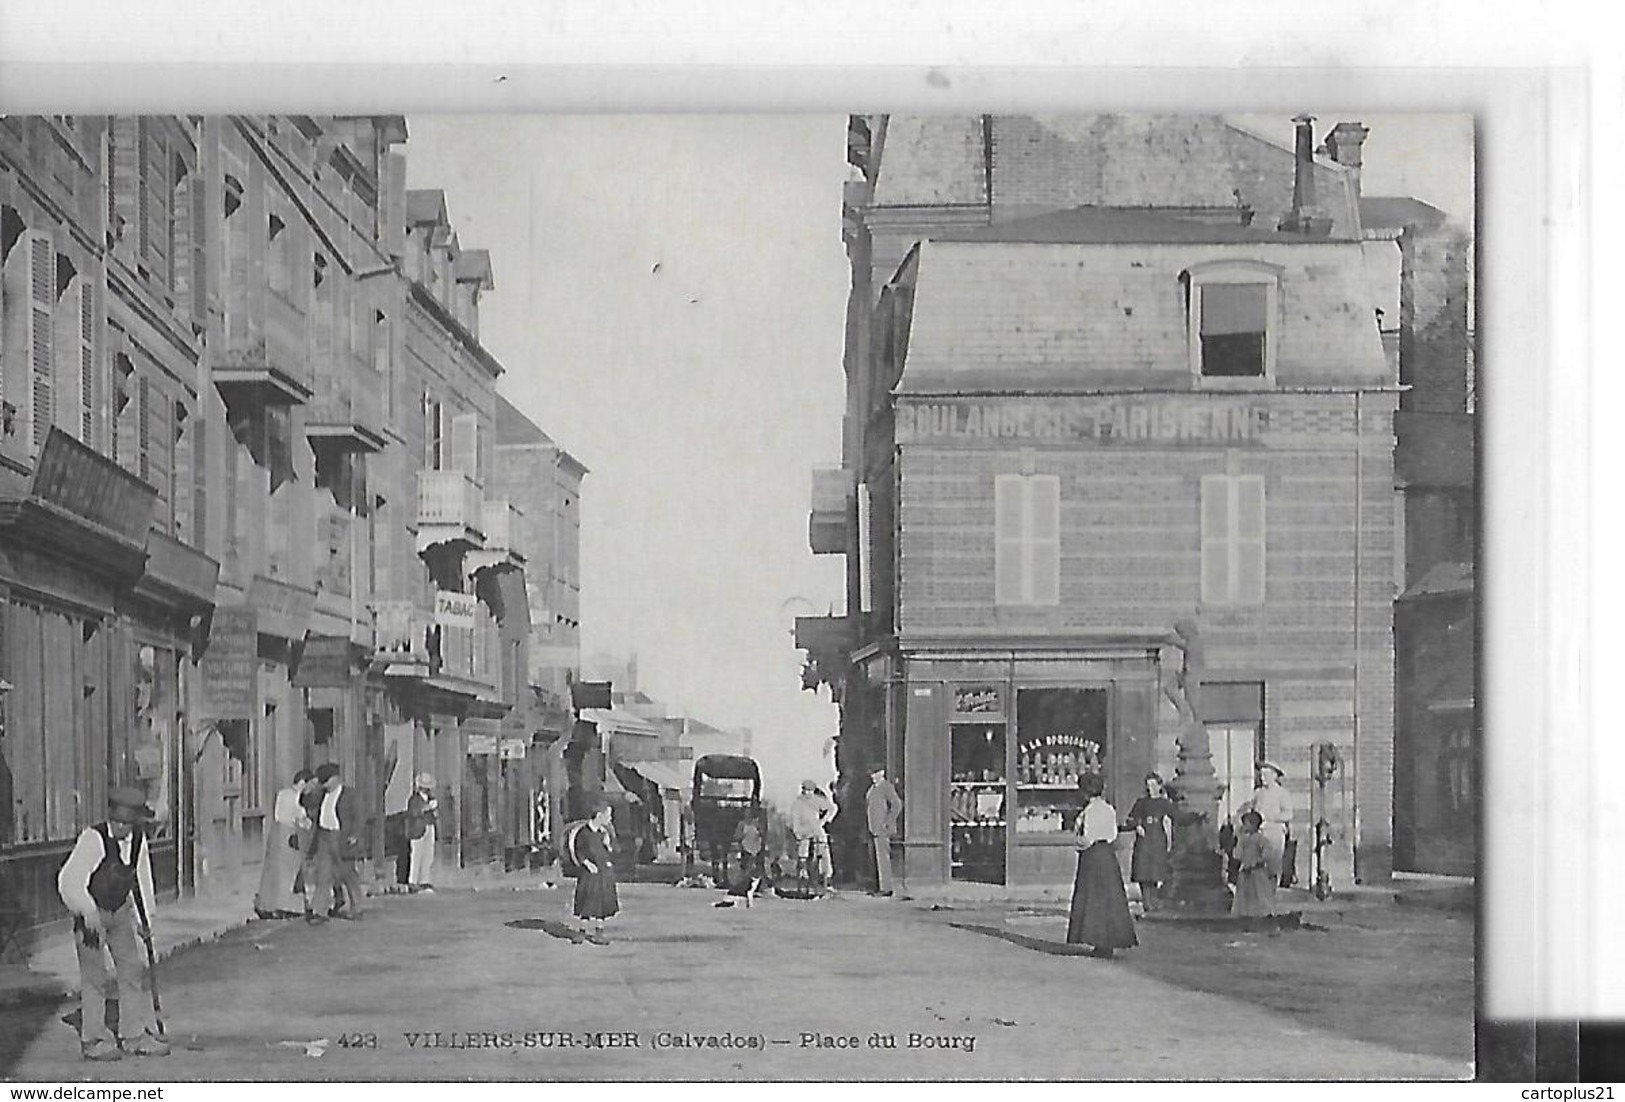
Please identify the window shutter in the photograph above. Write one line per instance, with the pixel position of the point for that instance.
(143, 429)
(181, 470)
(236, 256)
(41, 314)
(1044, 538)
(1009, 548)
(433, 426)
(1215, 539)
(198, 242)
(381, 337)
(866, 549)
(201, 465)
(89, 376)
(465, 444)
(124, 191)
(1248, 545)
(393, 208)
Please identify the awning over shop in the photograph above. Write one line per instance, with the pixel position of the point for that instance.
(663, 774)
(612, 720)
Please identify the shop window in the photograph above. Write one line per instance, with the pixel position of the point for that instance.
(1231, 311)
(1232, 539)
(1027, 539)
(1061, 734)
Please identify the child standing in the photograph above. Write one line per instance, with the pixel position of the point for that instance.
(1255, 882)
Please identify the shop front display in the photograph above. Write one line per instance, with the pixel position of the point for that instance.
(1016, 742)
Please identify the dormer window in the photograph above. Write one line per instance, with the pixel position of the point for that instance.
(1233, 323)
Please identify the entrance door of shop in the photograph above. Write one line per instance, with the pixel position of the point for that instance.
(1235, 751)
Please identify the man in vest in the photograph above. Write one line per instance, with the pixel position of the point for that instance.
(107, 885)
(337, 843)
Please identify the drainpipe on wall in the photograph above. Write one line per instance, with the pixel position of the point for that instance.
(1359, 506)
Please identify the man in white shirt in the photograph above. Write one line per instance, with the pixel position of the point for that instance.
(1274, 804)
(106, 883)
(338, 841)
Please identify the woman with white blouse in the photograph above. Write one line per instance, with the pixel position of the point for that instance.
(1100, 917)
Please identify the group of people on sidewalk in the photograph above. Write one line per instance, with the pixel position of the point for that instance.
(810, 815)
(1099, 916)
(311, 849)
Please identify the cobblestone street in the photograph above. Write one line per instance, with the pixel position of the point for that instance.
(445, 987)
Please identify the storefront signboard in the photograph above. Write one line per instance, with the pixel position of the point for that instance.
(230, 666)
(1063, 420)
(284, 610)
(482, 745)
(454, 610)
(323, 662)
(982, 701)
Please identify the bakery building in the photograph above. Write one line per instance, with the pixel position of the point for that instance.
(1107, 427)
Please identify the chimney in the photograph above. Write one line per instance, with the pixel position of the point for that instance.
(1304, 217)
(1344, 144)
(1303, 171)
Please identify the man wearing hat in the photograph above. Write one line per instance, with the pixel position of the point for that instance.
(809, 813)
(882, 808)
(421, 815)
(1274, 804)
(337, 842)
(99, 883)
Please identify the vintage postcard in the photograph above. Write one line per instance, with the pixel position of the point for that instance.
(725, 568)
(882, 596)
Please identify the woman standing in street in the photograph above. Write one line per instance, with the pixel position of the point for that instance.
(590, 847)
(1100, 917)
(1151, 818)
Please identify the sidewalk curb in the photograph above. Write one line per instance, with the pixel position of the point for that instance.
(53, 989)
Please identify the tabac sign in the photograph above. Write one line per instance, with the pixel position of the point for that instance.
(1061, 420)
(454, 610)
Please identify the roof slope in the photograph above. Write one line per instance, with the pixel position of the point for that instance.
(1053, 162)
(1076, 317)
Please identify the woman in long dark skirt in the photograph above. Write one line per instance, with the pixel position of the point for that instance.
(595, 897)
(1100, 917)
(1151, 819)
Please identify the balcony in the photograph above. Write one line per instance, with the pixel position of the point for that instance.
(400, 631)
(502, 538)
(828, 523)
(178, 575)
(451, 511)
(272, 359)
(348, 408)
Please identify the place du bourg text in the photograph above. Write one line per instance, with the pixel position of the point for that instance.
(662, 1039)
(1064, 421)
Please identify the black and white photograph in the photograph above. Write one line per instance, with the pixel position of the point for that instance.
(787, 596)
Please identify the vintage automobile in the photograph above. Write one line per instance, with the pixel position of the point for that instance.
(727, 790)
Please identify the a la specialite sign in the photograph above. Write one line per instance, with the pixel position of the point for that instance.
(1062, 420)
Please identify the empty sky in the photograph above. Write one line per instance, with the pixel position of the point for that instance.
(701, 393)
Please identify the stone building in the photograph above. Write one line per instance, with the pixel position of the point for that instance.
(247, 520)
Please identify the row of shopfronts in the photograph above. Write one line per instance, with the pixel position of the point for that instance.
(248, 515)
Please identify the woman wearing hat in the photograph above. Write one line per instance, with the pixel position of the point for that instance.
(106, 883)
(1274, 806)
(285, 843)
(421, 815)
